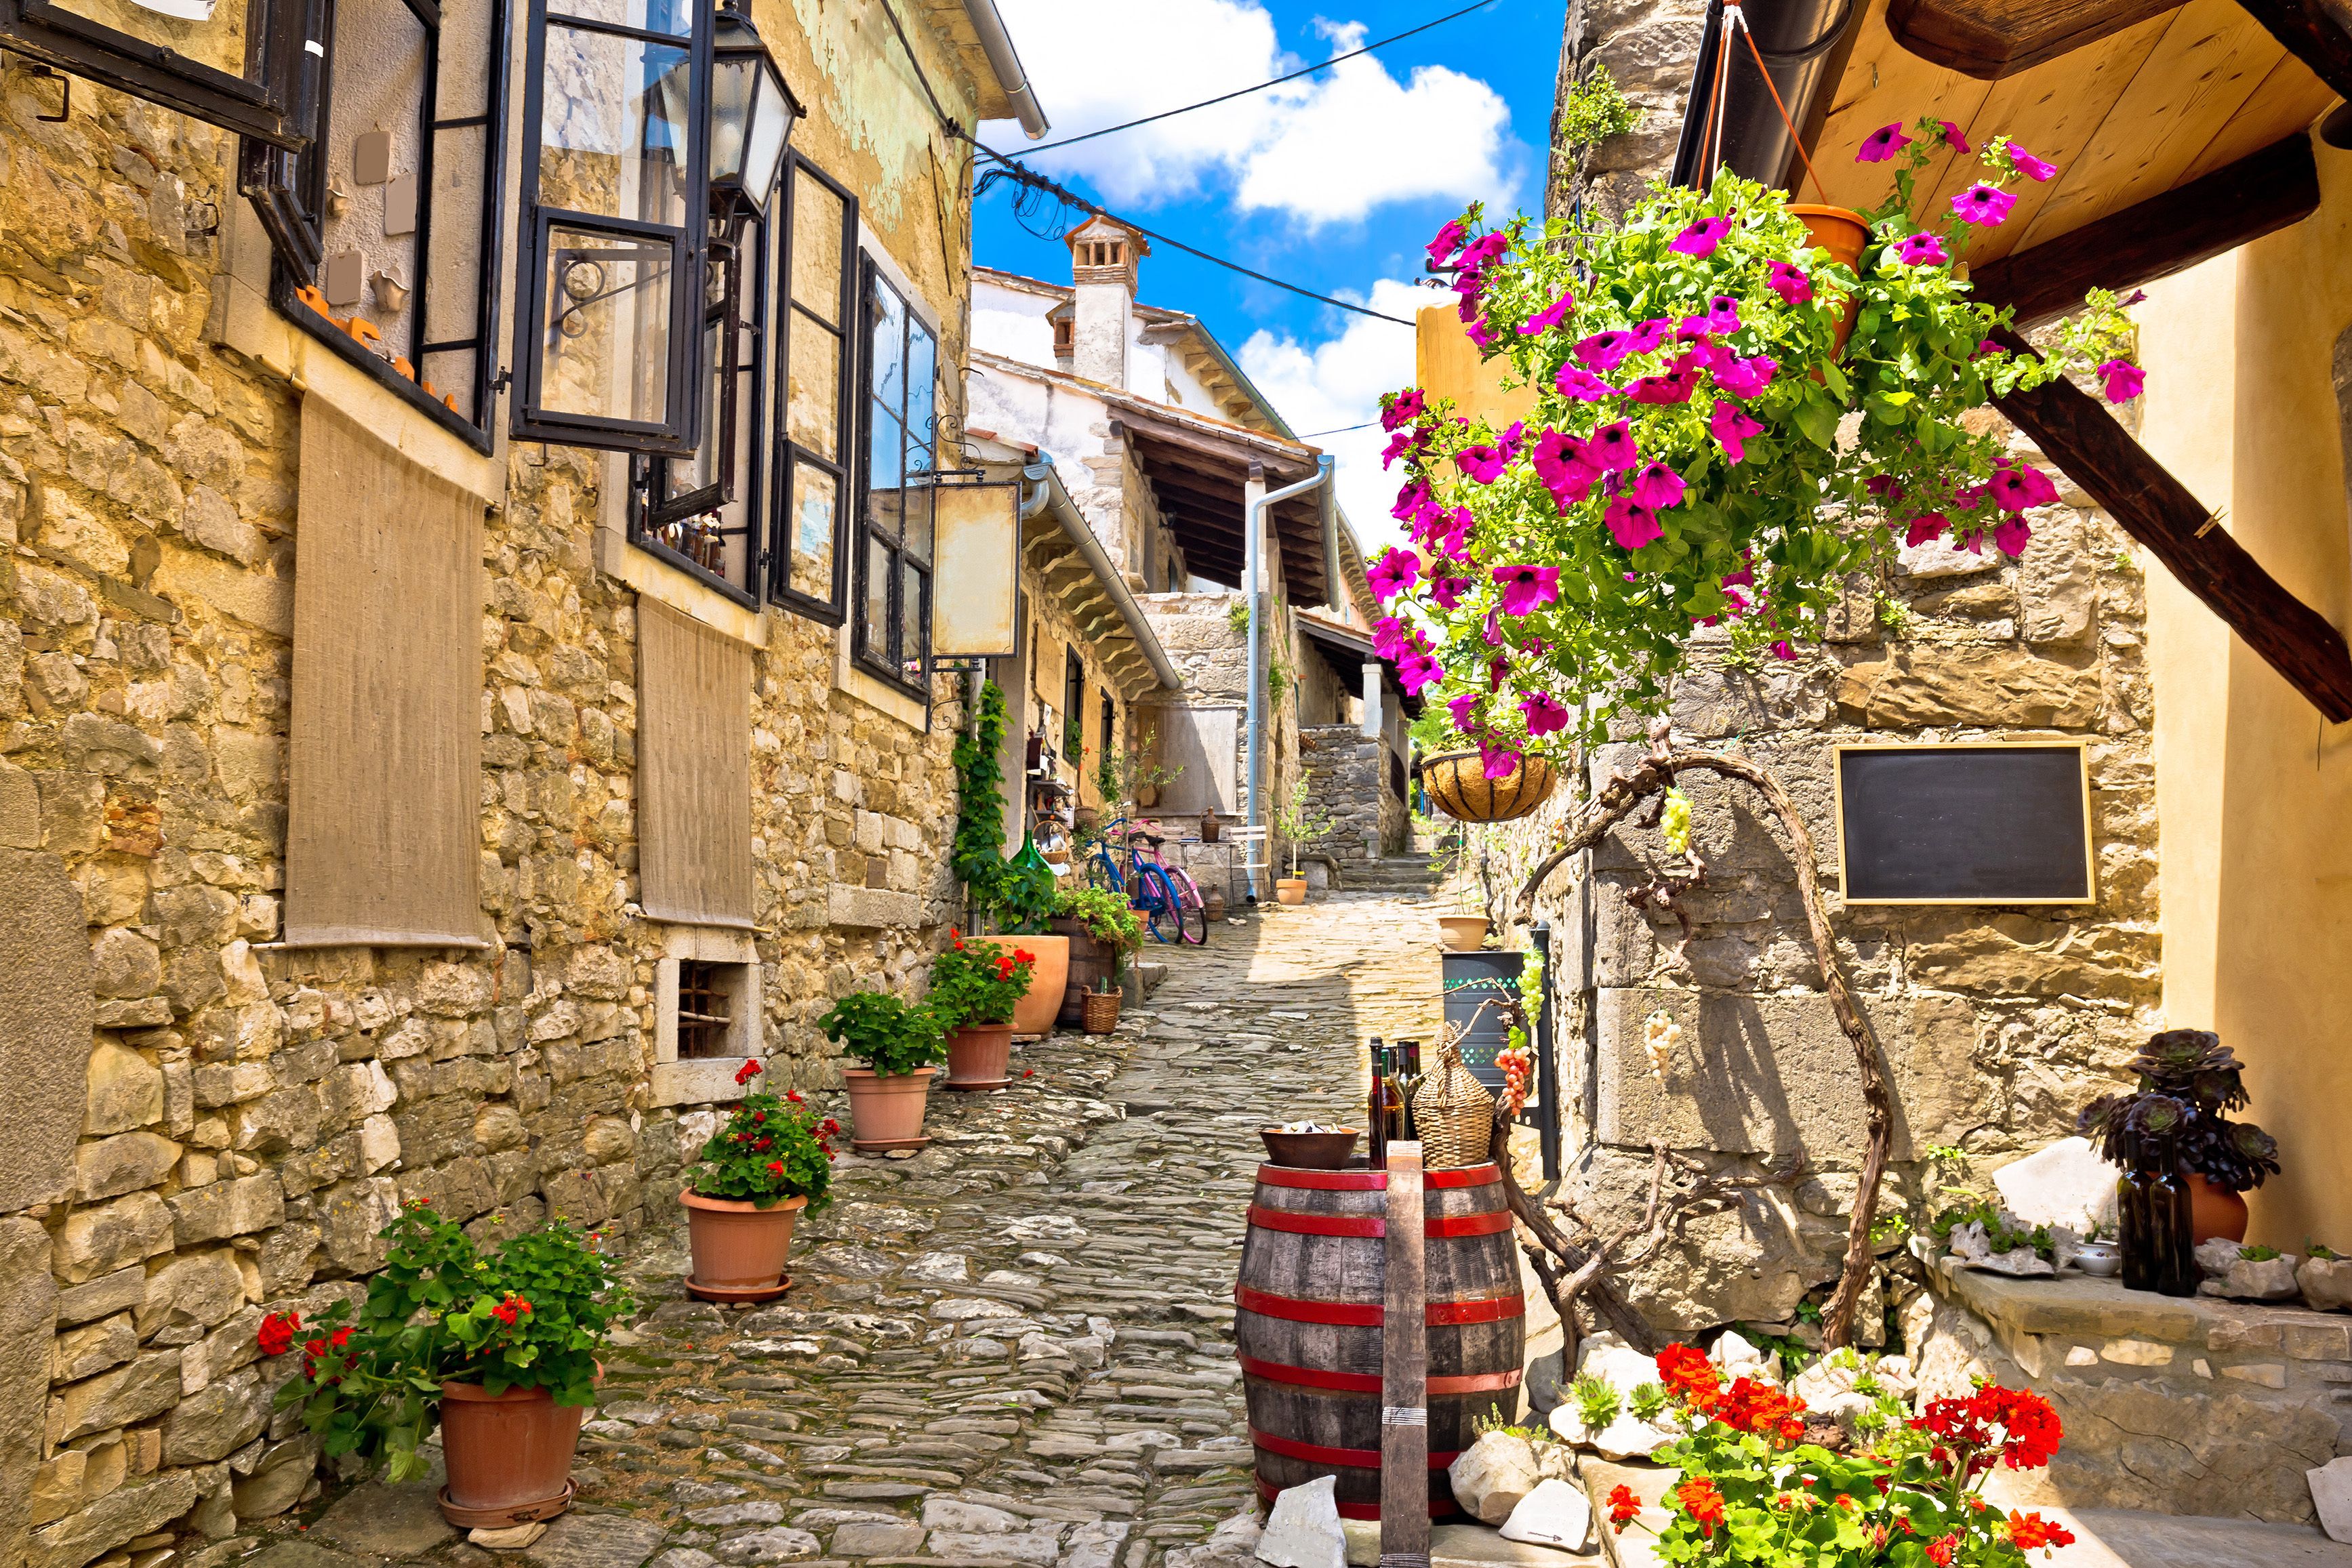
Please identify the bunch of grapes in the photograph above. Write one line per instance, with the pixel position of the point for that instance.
(1675, 826)
(1518, 1068)
(1660, 1035)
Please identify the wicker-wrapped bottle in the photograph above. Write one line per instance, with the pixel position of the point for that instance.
(1454, 1113)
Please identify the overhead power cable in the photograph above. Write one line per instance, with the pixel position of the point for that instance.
(1277, 81)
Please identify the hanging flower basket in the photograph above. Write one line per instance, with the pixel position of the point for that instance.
(1844, 234)
(1457, 782)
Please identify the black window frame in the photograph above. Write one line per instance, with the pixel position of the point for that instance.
(680, 434)
(891, 664)
(264, 102)
(790, 319)
(288, 192)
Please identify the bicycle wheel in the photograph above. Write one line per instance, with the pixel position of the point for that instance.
(1156, 897)
(1102, 874)
(1191, 915)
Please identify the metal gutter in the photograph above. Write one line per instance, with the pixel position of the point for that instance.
(1049, 496)
(1005, 61)
(1252, 571)
(1800, 42)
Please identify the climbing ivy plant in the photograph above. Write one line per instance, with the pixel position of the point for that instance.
(978, 858)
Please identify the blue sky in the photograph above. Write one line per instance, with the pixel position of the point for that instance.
(1334, 181)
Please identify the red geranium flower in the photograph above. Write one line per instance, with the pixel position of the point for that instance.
(276, 1334)
(793, 1095)
(775, 1168)
(2028, 1531)
(1698, 1497)
(748, 1072)
(1940, 1551)
(1623, 1508)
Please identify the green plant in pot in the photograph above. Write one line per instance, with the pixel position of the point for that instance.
(901, 1046)
(498, 1348)
(1112, 924)
(1301, 822)
(770, 1161)
(2222, 1158)
(977, 989)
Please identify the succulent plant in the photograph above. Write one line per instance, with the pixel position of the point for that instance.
(2189, 1081)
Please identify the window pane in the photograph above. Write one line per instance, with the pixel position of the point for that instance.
(606, 335)
(208, 34)
(817, 219)
(921, 366)
(813, 414)
(673, 16)
(612, 135)
(886, 323)
(701, 470)
(816, 504)
(877, 602)
(919, 507)
(885, 446)
(914, 606)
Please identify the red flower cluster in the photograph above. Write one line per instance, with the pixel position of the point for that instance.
(747, 1072)
(775, 1168)
(510, 1310)
(315, 1349)
(1746, 1406)
(1940, 1551)
(277, 1335)
(2014, 1425)
(1698, 1497)
(956, 936)
(1623, 1509)
(2028, 1531)
(1687, 1372)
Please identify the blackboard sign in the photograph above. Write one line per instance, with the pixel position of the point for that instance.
(1965, 824)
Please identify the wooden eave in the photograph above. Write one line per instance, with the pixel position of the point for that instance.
(1066, 579)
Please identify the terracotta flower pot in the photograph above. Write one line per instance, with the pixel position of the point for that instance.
(738, 1248)
(2214, 1211)
(980, 1055)
(1846, 234)
(509, 1455)
(886, 1110)
(1463, 932)
(1048, 979)
(1290, 890)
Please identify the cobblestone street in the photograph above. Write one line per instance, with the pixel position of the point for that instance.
(1012, 1348)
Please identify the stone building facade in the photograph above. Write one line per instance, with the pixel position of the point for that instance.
(209, 1122)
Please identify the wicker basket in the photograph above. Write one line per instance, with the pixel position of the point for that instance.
(1457, 782)
(1102, 1012)
(1454, 1113)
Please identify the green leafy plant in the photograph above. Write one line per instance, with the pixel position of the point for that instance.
(770, 1148)
(887, 1035)
(1984, 1211)
(977, 854)
(530, 1314)
(1027, 893)
(1650, 1401)
(1597, 1401)
(1595, 111)
(1299, 820)
(1123, 776)
(1237, 616)
(1108, 919)
(2325, 1254)
(2259, 1254)
(977, 982)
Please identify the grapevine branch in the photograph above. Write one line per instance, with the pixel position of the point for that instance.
(1616, 800)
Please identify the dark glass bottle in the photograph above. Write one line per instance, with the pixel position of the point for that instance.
(2152, 1218)
(1376, 1120)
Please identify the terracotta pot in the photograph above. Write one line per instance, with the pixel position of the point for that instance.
(1048, 979)
(509, 1455)
(1846, 234)
(1290, 890)
(979, 1055)
(887, 1109)
(738, 1247)
(1463, 932)
(1457, 783)
(2214, 1211)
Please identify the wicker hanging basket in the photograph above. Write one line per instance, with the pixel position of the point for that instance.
(1457, 782)
(1101, 1011)
(1454, 1113)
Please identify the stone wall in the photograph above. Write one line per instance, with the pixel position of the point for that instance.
(253, 1114)
(1208, 645)
(1350, 774)
(1649, 48)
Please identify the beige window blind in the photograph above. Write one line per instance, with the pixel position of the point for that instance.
(384, 754)
(694, 771)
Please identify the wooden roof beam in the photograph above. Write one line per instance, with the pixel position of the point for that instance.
(2243, 201)
(2314, 31)
(1989, 39)
(2159, 510)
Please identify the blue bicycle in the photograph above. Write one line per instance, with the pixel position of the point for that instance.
(1170, 905)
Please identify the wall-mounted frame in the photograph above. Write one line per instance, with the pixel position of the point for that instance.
(976, 524)
(1986, 823)
(231, 63)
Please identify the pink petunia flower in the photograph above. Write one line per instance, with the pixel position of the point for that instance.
(1783, 650)
(2034, 169)
(2010, 534)
(1675, 386)
(1388, 638)
(1744, 378)
(1603, 351)
(1922, 249)
(1982, 204)
(1417, 671)
(1881, 143)
(1630, 524)
(1447, 592)
(1403, 408)
(1481, 464)
(2014, 488)
(1461, 708)
(1449, 240)
(2121, 379)
(1954, 139)
(1410, 500)
(1527, 588)
(1545, 714)
(1651, 335)
(1544, 321)
(1612, 448)
(1700, 237)
(1574, 381)
(1789, 283)
(1560, 465)
(1925, 527)
(1657, 488)
(1392, 573)
(1731, 427)
(1987, 347)
(1496, 761)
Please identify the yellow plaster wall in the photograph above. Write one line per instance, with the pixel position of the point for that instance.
(1446, 364)
(2253, 788)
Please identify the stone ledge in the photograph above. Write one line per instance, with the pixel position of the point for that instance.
(2081, 1307)
(872, 908)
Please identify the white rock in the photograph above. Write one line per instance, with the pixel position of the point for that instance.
(2065, 1184)
(1363, 1542)
(1493, 1474)
(1303, 1530)
(2271, 1280)
(1626, 1437)
(2216, 1257)
(1973, 1248)
(2326, 1282)
(1554, 1514)
(2331, 1493)
(1606, 1356)
(1735, 1356)
(512, 1538)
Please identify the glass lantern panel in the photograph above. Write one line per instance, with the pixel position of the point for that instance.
(733, 80)
(771, 123)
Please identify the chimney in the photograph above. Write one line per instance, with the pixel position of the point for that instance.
(1103, 258)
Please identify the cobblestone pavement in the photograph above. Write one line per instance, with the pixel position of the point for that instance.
(1011, 1349)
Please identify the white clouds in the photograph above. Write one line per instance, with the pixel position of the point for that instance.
(1327, 148)
(1339, 382)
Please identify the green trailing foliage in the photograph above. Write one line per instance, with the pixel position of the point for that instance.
(1595, 111)
(978, 856)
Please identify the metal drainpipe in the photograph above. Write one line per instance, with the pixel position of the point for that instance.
(1250, 570)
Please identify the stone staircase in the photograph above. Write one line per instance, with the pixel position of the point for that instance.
(1394, 876)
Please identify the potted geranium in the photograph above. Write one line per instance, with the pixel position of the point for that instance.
(498, 1349)
(1902, 1489)
(975, 987)
(901, 1046)
(1738, 405)
(2192, 1070)
(754, 1178)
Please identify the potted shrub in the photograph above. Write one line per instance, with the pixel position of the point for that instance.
(1102, 929)
(754, 1177)
(2222, 1158)
(498, 1349)
(1710, 446)
(901, 1046)
(975, 988)
(1755, 1486)
(1301, 824)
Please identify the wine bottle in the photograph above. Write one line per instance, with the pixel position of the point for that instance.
(1376, 1120)
(1392, 1097)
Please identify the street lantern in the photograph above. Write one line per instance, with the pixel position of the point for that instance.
(752, 115)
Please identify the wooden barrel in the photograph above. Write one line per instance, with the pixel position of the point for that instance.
(1090, 967)
(1308, 1329)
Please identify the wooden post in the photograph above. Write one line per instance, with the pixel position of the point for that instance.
(1404, 1368)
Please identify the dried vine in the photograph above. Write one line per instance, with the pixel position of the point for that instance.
(1584, 1271)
